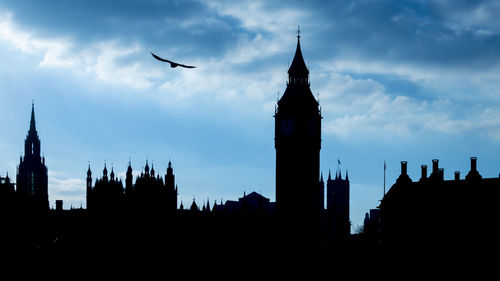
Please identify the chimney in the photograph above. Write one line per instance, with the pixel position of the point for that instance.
(473, 164)
(59, 205)
(457, 175)
(424, 172)
(441, 174)
(435, 166)
(403, 168)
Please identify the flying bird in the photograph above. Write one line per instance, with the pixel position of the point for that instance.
(172, 64)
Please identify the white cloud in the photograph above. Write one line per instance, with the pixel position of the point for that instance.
(357, 108)
(70, 190)
(106, 61)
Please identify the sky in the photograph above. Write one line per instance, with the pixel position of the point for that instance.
(396, 80)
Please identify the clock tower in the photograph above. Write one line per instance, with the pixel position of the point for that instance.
(298, 142)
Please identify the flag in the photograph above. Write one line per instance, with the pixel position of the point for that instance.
(338, 160)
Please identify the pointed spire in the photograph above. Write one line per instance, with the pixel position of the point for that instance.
(89, 172)
(170, 171)
(146, 169)
(347, 175)
(321, 179)
(129, 168)
(32, 122)
(194, 207)
(105, 170)
(298, 72)
(329, 175)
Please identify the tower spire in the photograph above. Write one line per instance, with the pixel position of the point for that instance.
(298, 72)
(32, 122)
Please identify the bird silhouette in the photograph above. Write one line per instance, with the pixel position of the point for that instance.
(172, 64)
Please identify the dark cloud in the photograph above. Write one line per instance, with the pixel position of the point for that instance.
(186, 26)
(428, 33)
(443, 33)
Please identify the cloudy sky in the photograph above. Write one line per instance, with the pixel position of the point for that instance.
(412, 80)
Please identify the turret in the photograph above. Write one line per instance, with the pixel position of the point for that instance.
(194, 207)
(105, 173)
(128, 178)
(146, 169)
(170, 177)
(89, 179)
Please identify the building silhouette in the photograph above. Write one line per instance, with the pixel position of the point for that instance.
(298, 144)
(7, 195)
(250, 204)
(6, 186)
(107, 194)
(32, 177)
(337, 213)
(441, 216)
(151, 193)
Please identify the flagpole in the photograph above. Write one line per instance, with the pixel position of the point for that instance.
(384, 178)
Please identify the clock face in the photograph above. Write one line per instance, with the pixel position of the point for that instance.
(287, 126)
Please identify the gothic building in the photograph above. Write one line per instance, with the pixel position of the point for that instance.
(150, 193)
(32, 179)
(337, 214)
(107, 193)
(298, 144)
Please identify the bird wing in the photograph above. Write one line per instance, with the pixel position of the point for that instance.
(172, 64)
(160, 59)
(186, 66)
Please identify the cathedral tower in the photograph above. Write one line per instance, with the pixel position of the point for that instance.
(298, 144)
(32, 179)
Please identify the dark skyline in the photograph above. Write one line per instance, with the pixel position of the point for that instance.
(396, 81)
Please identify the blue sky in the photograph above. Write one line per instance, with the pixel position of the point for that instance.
(412, 80)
